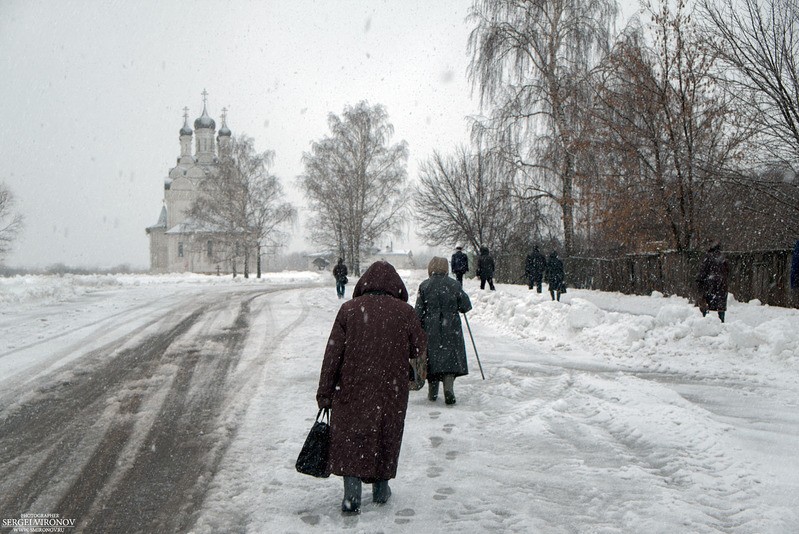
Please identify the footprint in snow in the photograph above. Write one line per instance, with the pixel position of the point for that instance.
(443, 493)
(312, 520)
(404, 516)
(435, 441)
(434, 471)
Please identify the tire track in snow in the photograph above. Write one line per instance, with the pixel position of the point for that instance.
(677, 466)
(264, 349)
(121, 415)
(159, 489)
(44, 430)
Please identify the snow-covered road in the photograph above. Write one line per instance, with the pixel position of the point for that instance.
(178, 404)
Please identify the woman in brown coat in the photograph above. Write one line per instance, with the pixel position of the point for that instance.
(364, 380)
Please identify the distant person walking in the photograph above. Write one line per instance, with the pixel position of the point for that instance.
(712, 280)
(460, 264)
(534, 267)
(340, 274)
(439, 303)
(795, 267)
(555, 275)
(364, 380)
(485, 268)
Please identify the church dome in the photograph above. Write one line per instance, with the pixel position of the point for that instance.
(224, 131)
(204, 121)
(185, 130)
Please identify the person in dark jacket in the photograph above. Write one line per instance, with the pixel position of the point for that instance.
(364, 380)
(555, 275)
(712, 282)
(534, 267)
(340, 274)
(460, 264)
(485, 268)
(795, 267)
(439, 303)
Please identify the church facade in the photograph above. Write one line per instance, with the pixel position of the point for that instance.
(177, 244)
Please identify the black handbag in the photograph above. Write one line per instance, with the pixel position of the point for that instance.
(313, 456)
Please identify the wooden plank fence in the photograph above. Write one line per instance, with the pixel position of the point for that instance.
(762, 275)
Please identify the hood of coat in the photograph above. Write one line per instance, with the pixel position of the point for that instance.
(381, 276)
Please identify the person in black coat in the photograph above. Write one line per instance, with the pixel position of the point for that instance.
(534, 268)
(795, 267)
(485, 268)
(439, 303)
(711, 281)
(555, 275)
(340, 274)
(460, 264)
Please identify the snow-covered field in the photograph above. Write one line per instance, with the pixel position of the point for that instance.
(600, 413)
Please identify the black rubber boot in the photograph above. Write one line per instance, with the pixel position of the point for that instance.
(432, 390)
(449, 389)
(380, 492)
(352, 495)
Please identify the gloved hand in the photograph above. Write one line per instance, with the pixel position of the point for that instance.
(324, 402)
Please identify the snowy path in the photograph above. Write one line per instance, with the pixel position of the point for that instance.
(553, 441)
(182, 409)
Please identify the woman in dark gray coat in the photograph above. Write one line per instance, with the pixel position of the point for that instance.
(712, 281)
(440, 301)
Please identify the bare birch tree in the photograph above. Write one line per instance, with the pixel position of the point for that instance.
(529, 61)
(10, 220)
(759, 40)
(243, 205)
(355, 182)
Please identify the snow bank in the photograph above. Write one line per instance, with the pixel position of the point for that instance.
(666, 334)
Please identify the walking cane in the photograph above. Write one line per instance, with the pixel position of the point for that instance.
(469, 328)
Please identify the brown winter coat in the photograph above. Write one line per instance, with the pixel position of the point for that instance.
(364, 376)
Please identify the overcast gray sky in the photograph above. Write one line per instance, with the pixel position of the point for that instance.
(92, 96)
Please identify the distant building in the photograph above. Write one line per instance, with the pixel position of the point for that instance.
(400, 259)
(325, 260)
(177, 244)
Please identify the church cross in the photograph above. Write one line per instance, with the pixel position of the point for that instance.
(186, 113)
(205, 95)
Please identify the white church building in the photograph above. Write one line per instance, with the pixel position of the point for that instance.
(176, 243)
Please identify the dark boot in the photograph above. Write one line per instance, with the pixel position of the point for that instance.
(449, 389)
(352, 495)
(432, 390)
(721, 316)
(380, 492)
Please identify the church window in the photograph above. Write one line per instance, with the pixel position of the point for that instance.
(210, 246)
(180, 249)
